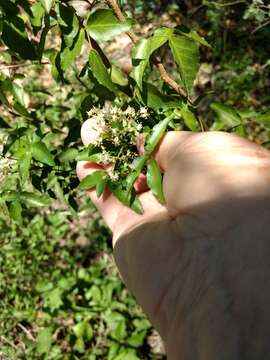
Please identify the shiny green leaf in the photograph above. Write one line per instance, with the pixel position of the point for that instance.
(47, 4)
(189, 118)
(91, 180)
(38, 13)
(129, 199)
(154, 180)
(156, 134)
(118, 77)
(69, 55)
(100, 71)
(143, 50)
(186, 55)
(137, 166)
(83, 330)
(102, 25)
(155, 99)
(101, 186)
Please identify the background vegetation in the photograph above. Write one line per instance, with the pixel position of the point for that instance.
(61, 297)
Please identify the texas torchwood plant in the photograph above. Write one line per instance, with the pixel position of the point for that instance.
(41, 118)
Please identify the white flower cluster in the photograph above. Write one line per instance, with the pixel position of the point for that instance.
(115, 132)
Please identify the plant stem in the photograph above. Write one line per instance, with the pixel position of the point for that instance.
(163, 73)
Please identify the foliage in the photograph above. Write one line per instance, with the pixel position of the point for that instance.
(34, 140)
(60, 300)
(56, 71)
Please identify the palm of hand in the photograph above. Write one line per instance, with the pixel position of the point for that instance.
(175, 258)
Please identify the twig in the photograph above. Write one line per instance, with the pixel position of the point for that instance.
(21, 65)
(7, 341)
(232, 3)
(261, 26)
(116, 9)
(163, 73)
(27, 332)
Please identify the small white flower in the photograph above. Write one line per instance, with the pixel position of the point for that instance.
(143, 112)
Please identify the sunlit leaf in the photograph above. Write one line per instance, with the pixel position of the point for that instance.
(100, 71)
(143, 50)
(186, 54)
(91, 180)
(41, 153)
(137, 166)
(69, 55)
(34, 199)
(83, 330)
(156, 134)
(47, 4)
(44, 341)
(102, 25)
(189, 118)
(155, 99)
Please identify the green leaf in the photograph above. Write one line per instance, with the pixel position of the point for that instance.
(129, 199)
(143, 50)
(186, 55)
(100, 71)
(37, 14)
(9, 7)
(34, 199)
(69, 23)
(24, 162)
(83, 330)
(155, 99)
(19, 93)
(102, 25)
(137, 338)
(156, 134)
(137, 166)
(189, 118)
(118, 77)
(196, 37)
(92, 180)
(41, 153)
(154, 180)
(15, 37)
(227, 116)
(44, 341)
(53, 299)
(69, 55)
(101, 186)
(47, 4)
(68, 155)
(15, 211)
(21, 110)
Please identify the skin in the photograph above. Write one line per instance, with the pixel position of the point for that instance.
(199, 266)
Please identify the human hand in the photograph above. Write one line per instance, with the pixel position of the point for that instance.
(188, 262)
